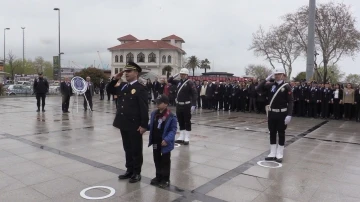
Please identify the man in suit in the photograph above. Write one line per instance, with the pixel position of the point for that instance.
(131, 118)
(41, 87)
(66, 92)
(210, 95)
(89, 94)
(102, 88)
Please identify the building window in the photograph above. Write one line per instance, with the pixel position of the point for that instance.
(163, 59)
(169, 59)
(121, 58)
(116, 58)
(152, 57)
(129, 57)
(116, 70)
(140, 57)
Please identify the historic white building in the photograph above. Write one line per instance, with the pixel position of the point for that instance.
(151, 55)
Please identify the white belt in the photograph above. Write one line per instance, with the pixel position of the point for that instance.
(278, 110)
(183, 103)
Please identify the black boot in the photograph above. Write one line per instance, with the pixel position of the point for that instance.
(164, 183)
(156, 181)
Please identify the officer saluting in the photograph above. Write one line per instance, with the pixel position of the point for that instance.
(280, 112)
(185, 104)
(131, 118)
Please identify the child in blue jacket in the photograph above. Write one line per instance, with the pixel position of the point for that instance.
(163, 127)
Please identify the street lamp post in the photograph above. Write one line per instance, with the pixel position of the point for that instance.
(58, 9)
(4, 44)
(23, 28)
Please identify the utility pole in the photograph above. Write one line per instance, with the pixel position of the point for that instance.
(23, 28)
(311, 40)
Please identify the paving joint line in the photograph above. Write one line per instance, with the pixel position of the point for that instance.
(185, 194)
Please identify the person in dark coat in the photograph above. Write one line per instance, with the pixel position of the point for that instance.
(198, 88)
(172, 94)
(131, 118)
(102, 88)
(336, 100)
(41, 87)
(149, 88)
(89, 93)
(210, 94)
(108, 89)
(156, 87)
(312, 99)
(261, 100)
(66, 92)
(326, 95)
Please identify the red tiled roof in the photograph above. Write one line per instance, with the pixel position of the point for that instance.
(146, 44)
(168, 38)
(128, 37)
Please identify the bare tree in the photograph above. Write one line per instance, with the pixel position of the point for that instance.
(335, 32)
(277, 46)
(257, 71)
(11, 58)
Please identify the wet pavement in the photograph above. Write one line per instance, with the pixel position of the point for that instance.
(52, 156)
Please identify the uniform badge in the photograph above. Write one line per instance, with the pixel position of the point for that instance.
(273, 88)
(133, 91)
(282, 90)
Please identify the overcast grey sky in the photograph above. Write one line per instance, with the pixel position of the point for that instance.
(218, 30)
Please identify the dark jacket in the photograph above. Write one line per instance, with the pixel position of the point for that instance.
(187, 92)
(90, 89)
(313, 94)
(102, 85)
(168, 134)
(132, 102)
(65, 89)
(284, 99)
(210, 90)
(326, 95)
(41, 86)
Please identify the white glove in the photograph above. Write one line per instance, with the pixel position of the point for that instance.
(193, 109)
(287, 120)
(176, 75)
(269, 77)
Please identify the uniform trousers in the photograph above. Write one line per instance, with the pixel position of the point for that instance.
(324, 109)
(252, 104)
(312, 109)
(101, 94)
(204, 102)
(89, 99)
(42, 96)
(65, 103)
(301, 108)
(347, 110)
(227, 101)
(162, 162)
(133, 147)
(336, 108)
(276, 125)
(183, 113)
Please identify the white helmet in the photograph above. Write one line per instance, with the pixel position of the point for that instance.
(184, 71)
(279, 71)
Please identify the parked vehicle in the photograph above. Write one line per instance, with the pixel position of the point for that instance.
(18, 89)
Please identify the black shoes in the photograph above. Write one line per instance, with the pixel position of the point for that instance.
(38, 110)
(279, 160)
(186, 142)
(125, 176)
(135, 178)
(270, 158)
(179, 141)
(156, 181)
(164, 183)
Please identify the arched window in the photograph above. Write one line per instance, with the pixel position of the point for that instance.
(140, 57)
(152, 57)
(116, 58)
(169, 59)
(163, 59)
(121, 58)
(129, 57)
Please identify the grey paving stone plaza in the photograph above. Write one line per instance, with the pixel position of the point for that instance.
(53, 156)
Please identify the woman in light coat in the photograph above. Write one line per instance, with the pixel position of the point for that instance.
(348, 100)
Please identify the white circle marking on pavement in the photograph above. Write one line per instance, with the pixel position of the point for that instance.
(260, 163)
(82, 193)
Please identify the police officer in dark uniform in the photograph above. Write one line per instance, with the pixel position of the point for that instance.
(326, 96)
(185, 104)
(302, 95)
(280, 112)
(227, 95)
(313, 99)
(41, 87)
(102, 88)
(131, 118)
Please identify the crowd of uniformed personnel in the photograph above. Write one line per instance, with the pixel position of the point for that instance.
(311, 99)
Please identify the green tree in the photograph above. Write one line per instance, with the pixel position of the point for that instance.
(193, 63)
(334, 75)
(257, 71)
(167, 70)
(48, 70)
(300, 76)
(353, 78)
(94, 73)
(29, 67)
(39, 64)
(205, 64)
